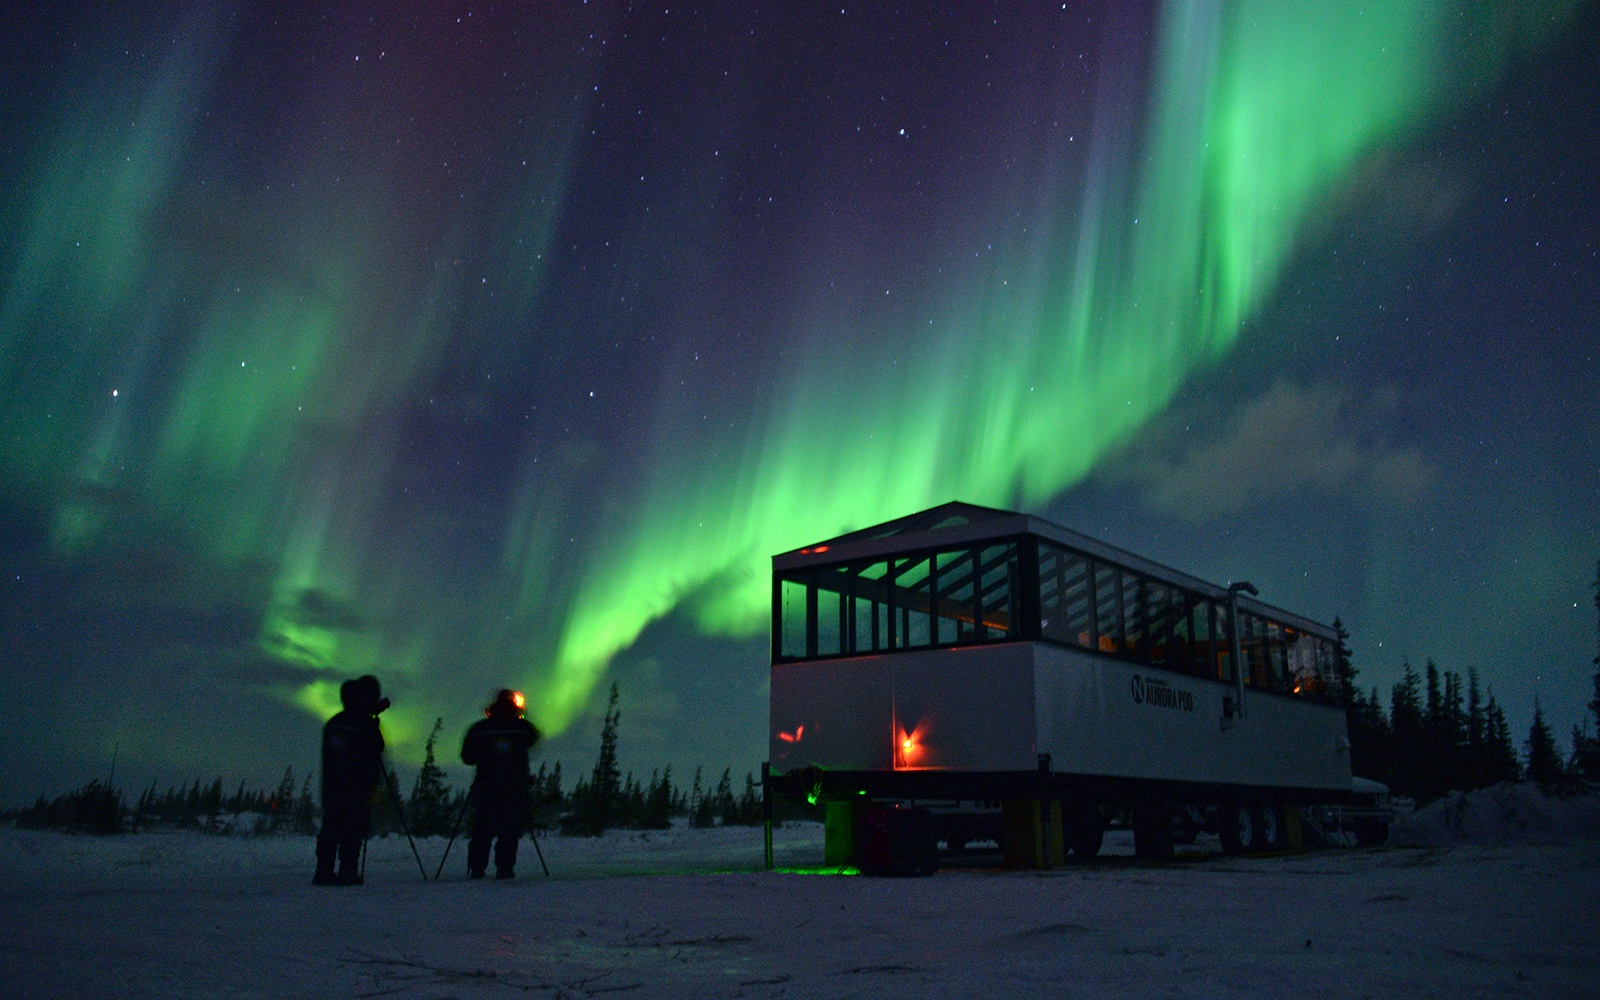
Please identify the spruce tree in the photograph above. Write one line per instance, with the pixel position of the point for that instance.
(749, 811)
(606, 781)
(1582, 762)
(597, 802)
(1369, 737)
(630, 803)
(281, 804)
(1347, 669)
(1476, 763)
(1407, 726)
(1544, 763)
(546, 796)
(1431, 779)
(581, 819)
(726, 806)
(1501, 753)
(428, 808)
(657, 812)
(305, 810)
(702, 809)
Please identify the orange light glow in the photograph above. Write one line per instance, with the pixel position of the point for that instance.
(518, 700)
(909, 751)
(793, 737)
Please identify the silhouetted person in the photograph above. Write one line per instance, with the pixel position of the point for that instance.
(498, 747)
(352, 767)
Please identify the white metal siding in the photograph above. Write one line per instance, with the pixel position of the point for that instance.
(967, 709)
(996, 708)
(1094, 718)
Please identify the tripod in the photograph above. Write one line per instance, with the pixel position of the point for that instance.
(394, 796)
(462, 815)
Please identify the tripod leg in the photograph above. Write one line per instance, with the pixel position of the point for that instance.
(394, 796)
(460, 817)
(539, 851)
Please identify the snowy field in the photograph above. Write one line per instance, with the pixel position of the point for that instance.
(1503, 902)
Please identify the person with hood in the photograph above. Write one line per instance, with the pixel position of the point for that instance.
(352, 769)
(498, 747)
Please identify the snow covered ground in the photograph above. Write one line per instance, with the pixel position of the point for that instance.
(690, 913)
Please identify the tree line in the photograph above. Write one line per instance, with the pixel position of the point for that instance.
(102, 807)
(1441, 733)
(606, 798)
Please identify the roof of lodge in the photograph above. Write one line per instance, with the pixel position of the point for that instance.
(956, 523)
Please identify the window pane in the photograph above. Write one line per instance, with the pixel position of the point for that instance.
(1108, 608)
(954, 611)
(1328, 669)
(832, 623)
(1277, 651)
(792, 620)
(1065, 586)
(997, 592)
(1077, 621)
(1305, 678)
(871, 610)
(1221, 647)
(1158, 629)
(1051, 560)
(912, 604)
(1134, 615)
(1252, 649)
(1181, 655)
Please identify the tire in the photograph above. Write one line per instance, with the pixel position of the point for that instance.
(1236, 825)
(1187, 824)
(1271, 826)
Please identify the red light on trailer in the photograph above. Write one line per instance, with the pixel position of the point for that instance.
(793, 737)
(909, 751)
(820, 548)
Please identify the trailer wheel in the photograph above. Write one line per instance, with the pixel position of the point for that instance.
(1271, 837)
(1187, 824)
(1236, 825)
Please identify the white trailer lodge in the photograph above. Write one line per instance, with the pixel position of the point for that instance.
(1009, 679)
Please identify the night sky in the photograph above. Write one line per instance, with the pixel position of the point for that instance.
(495, 344)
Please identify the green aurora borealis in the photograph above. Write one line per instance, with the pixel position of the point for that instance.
(1257, 112)
(460, 351)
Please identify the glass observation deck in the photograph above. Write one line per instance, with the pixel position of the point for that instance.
(962, 575)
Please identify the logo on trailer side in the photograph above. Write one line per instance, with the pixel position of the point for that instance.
(1160, 694)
